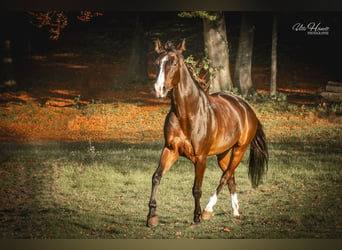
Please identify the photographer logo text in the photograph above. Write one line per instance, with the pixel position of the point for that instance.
(311, 28)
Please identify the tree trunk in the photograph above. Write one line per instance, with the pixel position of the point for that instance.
(273, 84)
(7, 76)
(137, 68)
(243, 65)
(215, 41)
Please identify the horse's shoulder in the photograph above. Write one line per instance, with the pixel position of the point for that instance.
(172, 123)
(171, 116)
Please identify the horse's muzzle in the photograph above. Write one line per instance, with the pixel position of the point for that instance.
(160, 91)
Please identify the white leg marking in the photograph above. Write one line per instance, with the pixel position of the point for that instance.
(235, 204)
(211, 203)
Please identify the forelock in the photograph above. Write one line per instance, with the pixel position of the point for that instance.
(169, 46)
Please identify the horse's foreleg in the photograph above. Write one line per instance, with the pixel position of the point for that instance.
(167, 158)
(197, 188)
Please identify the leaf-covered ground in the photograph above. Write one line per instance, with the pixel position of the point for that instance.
(66, 98)
(135, 120)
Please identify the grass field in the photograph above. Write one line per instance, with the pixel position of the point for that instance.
(63, 190)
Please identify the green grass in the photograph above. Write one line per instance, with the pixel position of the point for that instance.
(63, 191)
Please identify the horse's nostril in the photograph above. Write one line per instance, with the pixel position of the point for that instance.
(164, 89)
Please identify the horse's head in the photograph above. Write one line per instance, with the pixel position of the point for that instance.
(168, 67)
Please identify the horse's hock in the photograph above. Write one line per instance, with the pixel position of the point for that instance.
(333, 92)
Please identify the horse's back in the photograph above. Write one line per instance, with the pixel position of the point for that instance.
(221, 101)
(235, 118)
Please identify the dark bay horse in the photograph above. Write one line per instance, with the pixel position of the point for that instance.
(199, 125)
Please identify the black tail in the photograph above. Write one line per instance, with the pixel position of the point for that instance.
(258, 157)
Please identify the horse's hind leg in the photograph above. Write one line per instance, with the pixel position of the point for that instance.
(233, 195)
(224, 161)
(208, 212)
(227, 178)
(167, 158)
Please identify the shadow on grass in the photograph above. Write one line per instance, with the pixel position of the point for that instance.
(32, 206)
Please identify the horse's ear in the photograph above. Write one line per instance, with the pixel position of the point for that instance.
(159, 48)
(181, 46)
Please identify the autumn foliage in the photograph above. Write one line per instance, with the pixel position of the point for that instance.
(56, 21)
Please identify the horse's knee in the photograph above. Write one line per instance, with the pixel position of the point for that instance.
(156, 178)
(197, 192)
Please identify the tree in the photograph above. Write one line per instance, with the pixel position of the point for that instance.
(56, 21)
(137, 67)
(273, 84)
(243, 65)
(7, 77)
(216, 46)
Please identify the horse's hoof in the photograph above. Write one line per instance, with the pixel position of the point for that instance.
(206, 215)
(152, 221)
(239, 217)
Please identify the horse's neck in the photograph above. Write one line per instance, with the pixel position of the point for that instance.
(187, 96)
